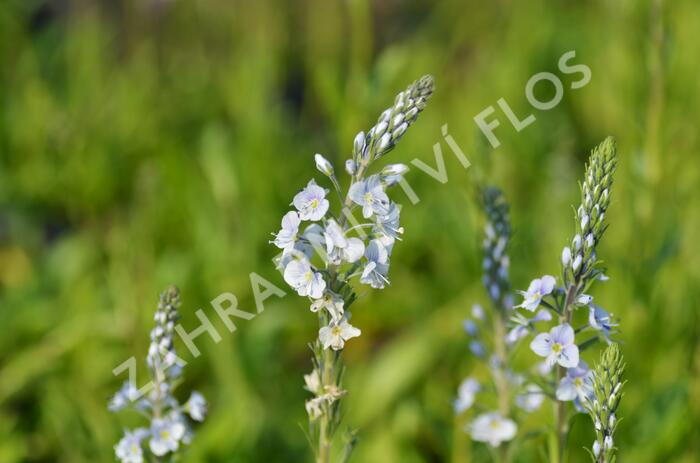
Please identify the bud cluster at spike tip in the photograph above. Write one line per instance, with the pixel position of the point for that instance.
(393, 122)
(162, 334)
(579, 259)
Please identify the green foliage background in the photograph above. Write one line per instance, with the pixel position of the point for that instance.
(144, 143)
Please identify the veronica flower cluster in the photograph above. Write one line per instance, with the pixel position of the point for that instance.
(606, 383)
(496, 427)
(324, 252)
(566, 298)
(169, 421)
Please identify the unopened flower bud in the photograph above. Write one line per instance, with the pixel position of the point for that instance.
(359, 143)
(577, 262)
(324, 165)
(565, 256)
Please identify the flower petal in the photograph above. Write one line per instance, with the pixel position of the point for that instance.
(542, 344)
(569, 356)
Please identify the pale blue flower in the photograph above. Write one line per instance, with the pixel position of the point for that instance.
(601, 320)
(370, 195)
(558, 346)
(341, 248)
(389, 223)
(576, 384)
(128, 449)
(196, 406)
(539, 287)
(493, 429)
(523, 325)
(465, 394)
(311, 202)
(377, 267)
(301, 276)
(166, 435)
(516, 334)
(123, 398)
(335, 334)
(287, 237)
(531, 399)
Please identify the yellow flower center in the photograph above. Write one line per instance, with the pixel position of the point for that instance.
(495, 424)
(556, 348)
(314, 203)
(336, 331)
(164, 435)
(368, 197)
(578, 382)
(309, 276)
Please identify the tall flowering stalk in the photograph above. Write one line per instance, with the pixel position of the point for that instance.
(606, 383)
(169, 425)
(580, 268)
(497, 427)
(323, 260)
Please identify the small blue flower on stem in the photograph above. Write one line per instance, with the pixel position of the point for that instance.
(465, 394)
(166, 435)
(301, 276)
(311, 202)
(576, 384)
(128, 449)
(558, 346)
(539, 287)
(286, 238)
(375, 272)
(601, 320)
(370, 195)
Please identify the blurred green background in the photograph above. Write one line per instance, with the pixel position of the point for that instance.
(151, 142)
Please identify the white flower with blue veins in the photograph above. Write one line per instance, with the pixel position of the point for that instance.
(370, 195)
(311, 202)
(466, 394)
(557, 346)
(576, 384)
(539, 287)
(166, 435)
(304, 279)
(128, 449)
(341, 248)
(287, 237)
(493, 429)
(196, 406)
(377, 267)
(335, 334)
